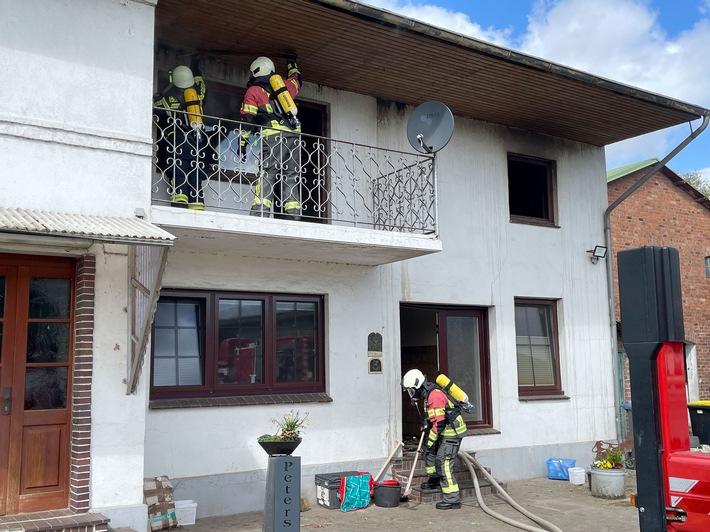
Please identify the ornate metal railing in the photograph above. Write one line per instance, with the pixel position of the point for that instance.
(304, 177)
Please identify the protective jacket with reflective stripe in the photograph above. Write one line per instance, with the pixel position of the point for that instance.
(174, 98)
(447, 426)
(258, 110)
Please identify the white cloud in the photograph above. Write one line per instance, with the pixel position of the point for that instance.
(445, 18)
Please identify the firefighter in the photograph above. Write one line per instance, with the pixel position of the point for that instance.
(446, 428)
(269, 111)
(184, 132)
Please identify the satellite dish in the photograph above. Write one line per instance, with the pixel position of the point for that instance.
(430, 127)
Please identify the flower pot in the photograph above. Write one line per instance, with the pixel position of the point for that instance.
(608, 483)
(274, 448)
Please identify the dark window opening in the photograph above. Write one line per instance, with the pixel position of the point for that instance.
(530, 189)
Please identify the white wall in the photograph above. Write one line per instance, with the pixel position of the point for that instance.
(487, 261)
(118, 420)
(75, 121)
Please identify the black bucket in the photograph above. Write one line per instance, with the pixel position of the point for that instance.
(387, 494)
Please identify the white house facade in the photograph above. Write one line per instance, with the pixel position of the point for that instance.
(471, 261)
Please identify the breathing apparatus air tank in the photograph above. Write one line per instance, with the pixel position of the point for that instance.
(192, 105)
(283, 97)
(454, 391)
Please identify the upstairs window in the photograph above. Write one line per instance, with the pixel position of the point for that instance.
(531, 189)
(225, 344)
(707, 267)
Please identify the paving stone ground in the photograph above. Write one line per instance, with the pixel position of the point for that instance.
(569, 507)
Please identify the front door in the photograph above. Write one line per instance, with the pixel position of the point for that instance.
(452, 341)
(36, 344)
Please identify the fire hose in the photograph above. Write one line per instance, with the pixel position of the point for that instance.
(471, 463)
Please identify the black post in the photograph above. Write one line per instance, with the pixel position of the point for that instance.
(282, 506)
(651, 314)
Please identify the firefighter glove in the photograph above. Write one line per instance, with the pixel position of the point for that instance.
(291, 57)
(426, 425)
(242, 149)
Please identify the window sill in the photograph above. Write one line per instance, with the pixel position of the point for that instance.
(543, 398)
(482, 432)
(242, 400)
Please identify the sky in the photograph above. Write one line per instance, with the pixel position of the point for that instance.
(661, 46)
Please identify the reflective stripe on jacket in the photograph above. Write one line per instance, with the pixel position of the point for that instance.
(437, 405)
(257, 108)
(174, 98)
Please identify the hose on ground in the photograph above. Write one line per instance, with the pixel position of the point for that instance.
(471, 463)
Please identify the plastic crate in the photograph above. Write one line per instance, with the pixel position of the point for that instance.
(327, 486)
(557, 468)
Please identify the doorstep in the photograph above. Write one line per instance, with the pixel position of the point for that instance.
(54, 521)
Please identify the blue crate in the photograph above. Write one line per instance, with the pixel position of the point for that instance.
(557, 468)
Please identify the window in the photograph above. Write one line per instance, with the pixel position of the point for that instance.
(537, 348)
(707, 267)
(220, 344)
(530, 189)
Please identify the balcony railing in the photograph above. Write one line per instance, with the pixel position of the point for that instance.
(335, 182)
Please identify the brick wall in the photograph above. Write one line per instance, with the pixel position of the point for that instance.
(660, 213)
(80, 449)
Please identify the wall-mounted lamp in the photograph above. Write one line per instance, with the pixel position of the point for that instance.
(599, 252)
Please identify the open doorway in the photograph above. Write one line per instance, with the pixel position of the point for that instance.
(450, 340)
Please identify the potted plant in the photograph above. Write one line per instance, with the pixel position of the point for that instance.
(287, 436)
(608, 470)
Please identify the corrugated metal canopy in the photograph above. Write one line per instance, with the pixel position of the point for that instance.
(351, 46)
(102, 228)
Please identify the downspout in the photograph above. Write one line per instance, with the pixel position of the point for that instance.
(610, 261)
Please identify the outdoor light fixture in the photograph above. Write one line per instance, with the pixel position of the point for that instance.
(599, 252)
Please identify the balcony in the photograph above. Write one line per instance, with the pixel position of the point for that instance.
(358, 204)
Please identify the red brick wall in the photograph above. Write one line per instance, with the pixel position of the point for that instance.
(661, 214)
(80, 449)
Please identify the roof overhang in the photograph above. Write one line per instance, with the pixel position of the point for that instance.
(355, 47)
(71, 228)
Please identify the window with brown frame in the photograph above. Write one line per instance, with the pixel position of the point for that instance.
(531, 184)
(537, 347)
(208, 344)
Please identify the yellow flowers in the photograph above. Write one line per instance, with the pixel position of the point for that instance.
(609, 456)
(290, 425)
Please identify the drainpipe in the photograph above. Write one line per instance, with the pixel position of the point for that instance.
(610, 262)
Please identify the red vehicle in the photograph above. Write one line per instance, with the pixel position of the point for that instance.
(673, 483)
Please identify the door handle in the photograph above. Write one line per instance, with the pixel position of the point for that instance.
(6, 400)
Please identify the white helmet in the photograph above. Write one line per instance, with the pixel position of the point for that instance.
(412, 381)
(182, 77)
(262, 66)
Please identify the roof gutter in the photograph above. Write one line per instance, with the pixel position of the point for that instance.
(610, 262)
(401, 22)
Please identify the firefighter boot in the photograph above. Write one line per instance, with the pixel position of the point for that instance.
(448, 505)
(432, 483)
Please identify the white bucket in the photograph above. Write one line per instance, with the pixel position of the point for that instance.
(576, 475)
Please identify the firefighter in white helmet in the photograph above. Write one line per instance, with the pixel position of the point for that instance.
(446, 428)
(185, 150)
(268, 111)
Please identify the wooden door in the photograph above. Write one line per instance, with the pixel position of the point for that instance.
(36, 316)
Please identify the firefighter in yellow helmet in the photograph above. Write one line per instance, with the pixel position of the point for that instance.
(446, 428)
(268, 102)
(186, 143)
